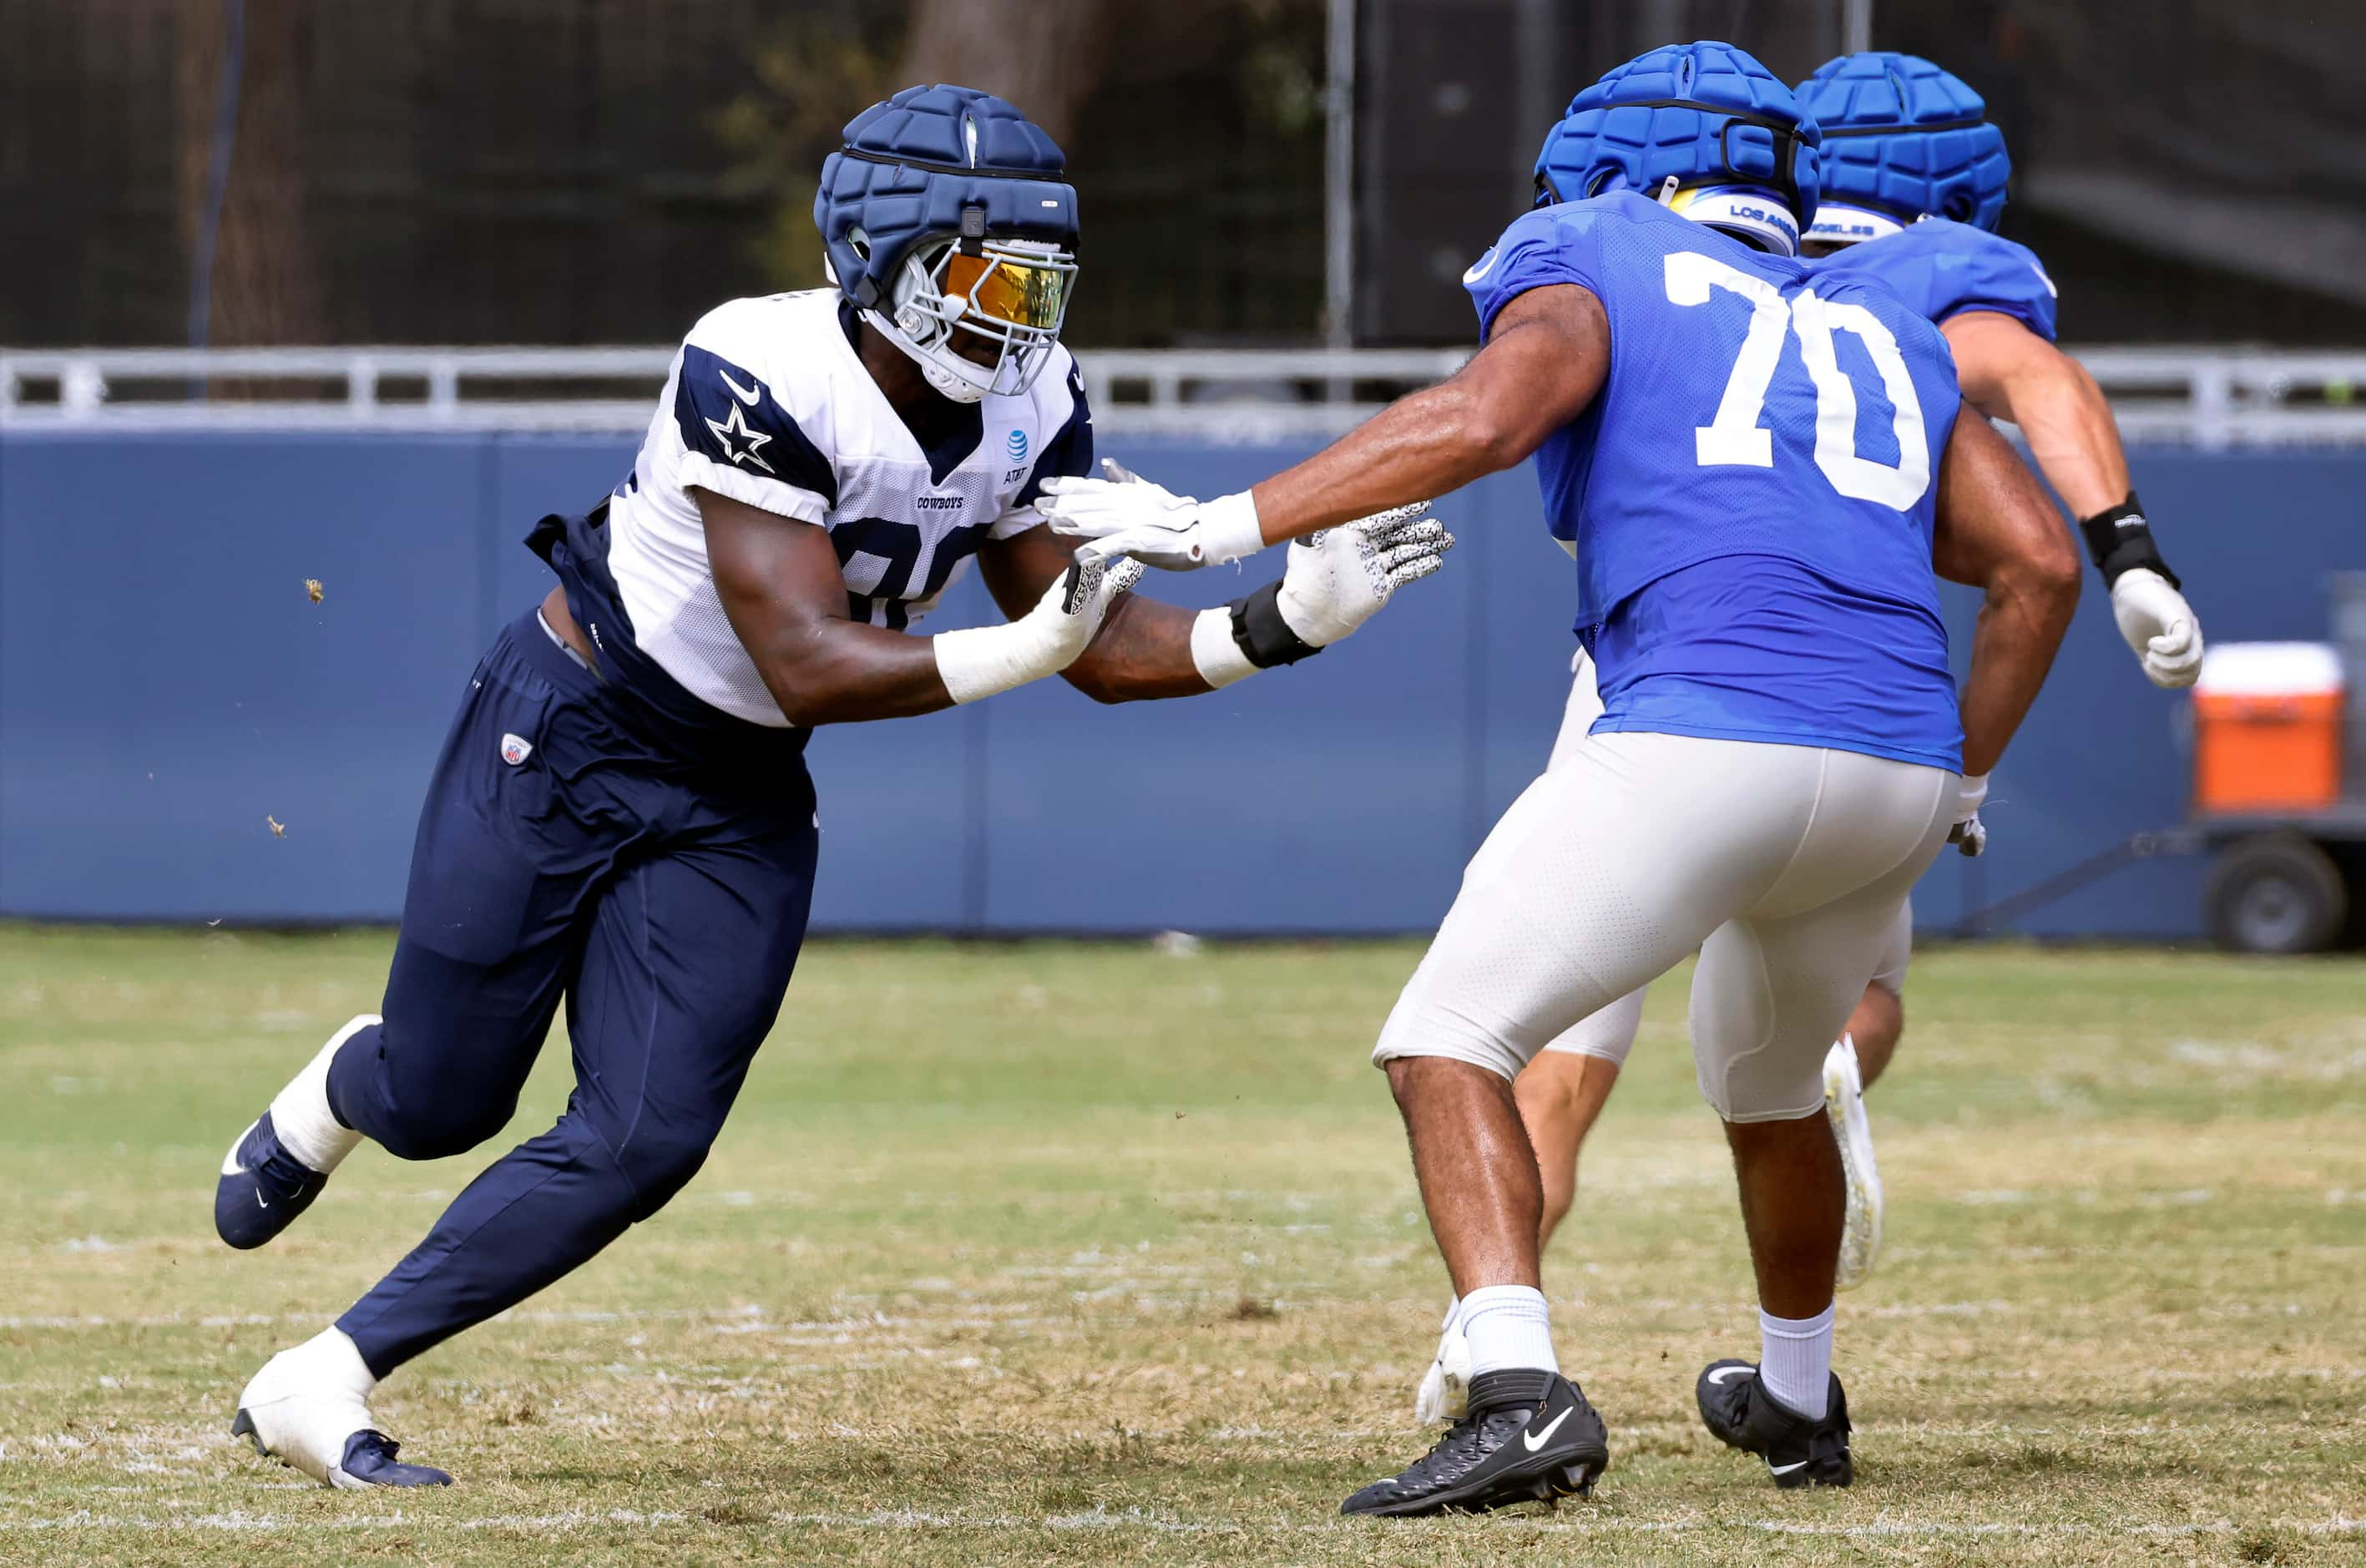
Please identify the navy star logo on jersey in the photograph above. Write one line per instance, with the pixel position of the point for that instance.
(736, 425)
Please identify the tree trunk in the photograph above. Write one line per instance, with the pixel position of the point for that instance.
(1042, 55)
(265, 278)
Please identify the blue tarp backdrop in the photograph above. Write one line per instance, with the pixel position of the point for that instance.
(166, 684)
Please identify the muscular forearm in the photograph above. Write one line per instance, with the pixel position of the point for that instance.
(2067, 423)
(1142, 652)
(1996, 531)
(1418, 447)
(837, 672)
(2020, 627)
(1544, 358)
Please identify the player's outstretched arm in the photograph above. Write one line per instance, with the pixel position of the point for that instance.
(1143, 648)
(1998, 532)
(2009, 372)
(779, 584)
(1544, 361)
(1334, 582)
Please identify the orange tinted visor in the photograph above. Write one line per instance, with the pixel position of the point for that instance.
(1008, 291)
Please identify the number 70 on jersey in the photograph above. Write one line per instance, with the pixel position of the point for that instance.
(1734, 437)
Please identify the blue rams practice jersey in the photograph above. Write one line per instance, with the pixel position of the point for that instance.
(1751, 494)
(1942, 268)
(769, 403)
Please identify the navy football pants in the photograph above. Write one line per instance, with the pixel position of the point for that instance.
(663, 900)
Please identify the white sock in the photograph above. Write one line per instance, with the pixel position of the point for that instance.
(301, 1114)
(1795, 1361)
(332, 1357)
(1453, 1311)
(1508, 1325)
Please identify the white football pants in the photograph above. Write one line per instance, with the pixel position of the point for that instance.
(1610, 1034)
(1786, 866)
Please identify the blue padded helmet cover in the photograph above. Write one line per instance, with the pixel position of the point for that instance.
(912, 168)
(1707, 113)
(1903, 137)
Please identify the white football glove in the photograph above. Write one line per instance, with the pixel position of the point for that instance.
(1126, 516)
(978, 661)
(2159, 626)
(1445, 1392)
(1342, 577)
(1970, 835)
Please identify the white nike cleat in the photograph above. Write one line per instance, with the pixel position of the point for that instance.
(1844, 1103)
(309, 1408)
(1445, 1392)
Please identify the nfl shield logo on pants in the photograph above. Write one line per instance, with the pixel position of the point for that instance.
(515, 749)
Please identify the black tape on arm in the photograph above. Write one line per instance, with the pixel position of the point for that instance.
(1262, 635)
(2120, 540)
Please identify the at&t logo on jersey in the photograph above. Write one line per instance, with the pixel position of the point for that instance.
(1017, 445)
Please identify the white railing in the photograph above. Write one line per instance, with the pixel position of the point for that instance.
(2206, 397)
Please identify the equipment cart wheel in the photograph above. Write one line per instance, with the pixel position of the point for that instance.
(2275, 893)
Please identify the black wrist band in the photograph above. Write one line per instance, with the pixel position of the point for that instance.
(2120, 540)
(1260, 633)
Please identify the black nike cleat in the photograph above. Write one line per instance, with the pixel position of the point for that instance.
(1740, 1414)
(1530, 1437)
(263, 1188)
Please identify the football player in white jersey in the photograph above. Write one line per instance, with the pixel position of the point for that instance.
(622, 818)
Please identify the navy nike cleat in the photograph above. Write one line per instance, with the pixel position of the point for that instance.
(1740, 1414)
(263, 1188)
(1530, 1437)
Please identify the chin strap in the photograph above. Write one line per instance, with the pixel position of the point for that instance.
(942, 381)
(949, 386)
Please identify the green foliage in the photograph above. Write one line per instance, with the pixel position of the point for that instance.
(814, 73)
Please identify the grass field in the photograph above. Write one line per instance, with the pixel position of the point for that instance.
(1084, 1254)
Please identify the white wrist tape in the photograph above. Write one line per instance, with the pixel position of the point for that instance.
(1970, 795)
(978, 661)
(1213, 651)
(1229, 529)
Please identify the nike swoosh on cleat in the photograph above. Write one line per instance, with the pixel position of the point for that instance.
(261, 1201)
(1726, 1374)
(1786, 1469)
(745, 394)
(1532, 1441)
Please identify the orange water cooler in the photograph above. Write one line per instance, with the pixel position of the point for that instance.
(2268, 727)
(2280, 785)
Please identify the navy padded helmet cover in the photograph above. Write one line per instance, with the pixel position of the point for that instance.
(910, 169)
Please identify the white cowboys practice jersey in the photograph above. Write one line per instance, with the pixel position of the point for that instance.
(767, 403)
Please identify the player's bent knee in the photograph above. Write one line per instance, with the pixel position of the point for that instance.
(1402, 1063)
(440, 1133)
(1777, 1110)
(660, 1165)
(1745, 1098)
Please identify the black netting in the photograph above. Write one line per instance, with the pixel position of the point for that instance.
(577, 171)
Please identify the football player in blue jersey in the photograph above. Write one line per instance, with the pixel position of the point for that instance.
(622, 818)
(1912, 182)
(1760, 469)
